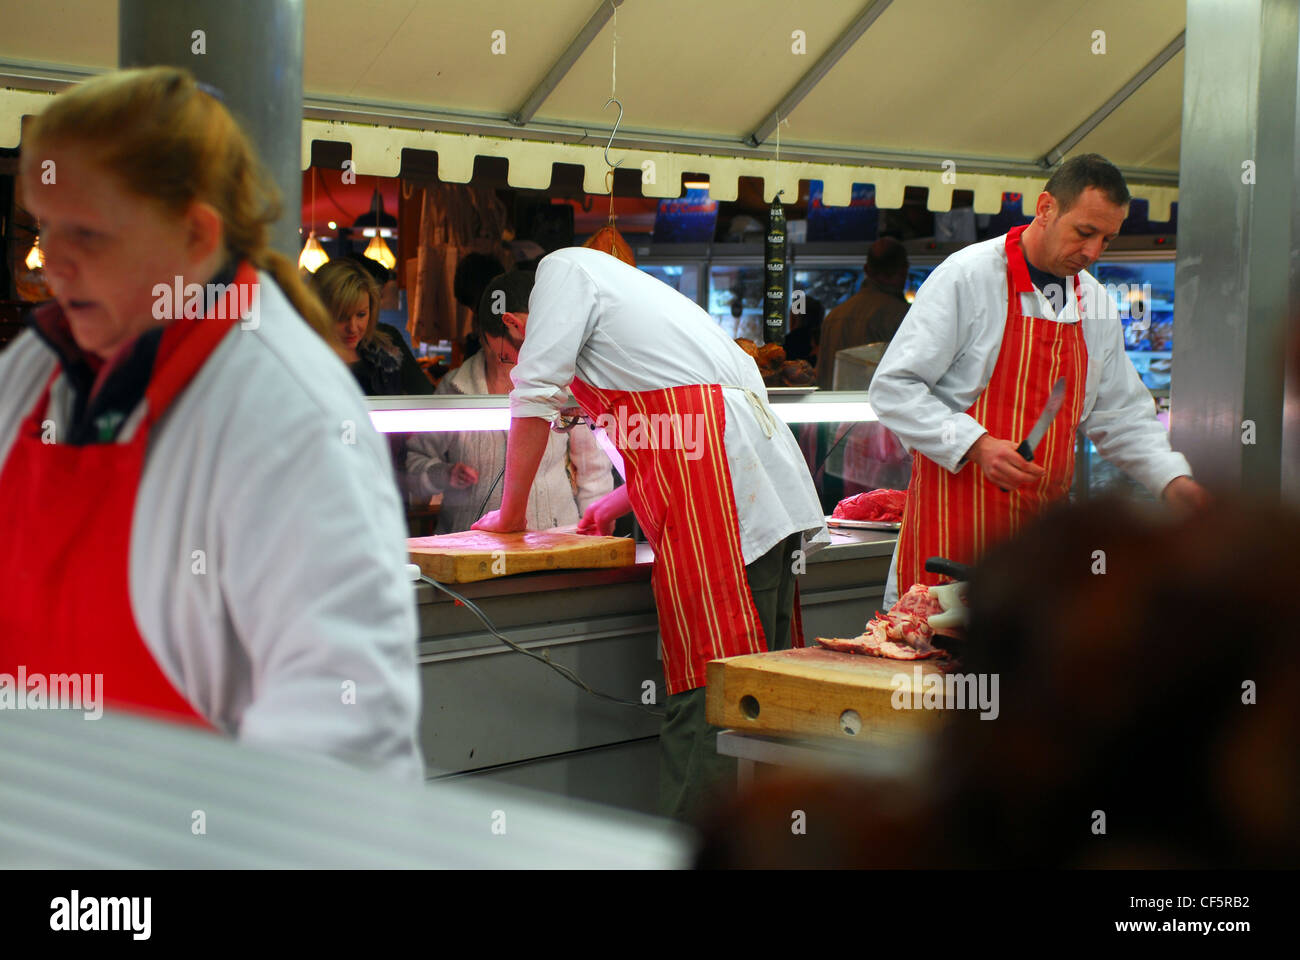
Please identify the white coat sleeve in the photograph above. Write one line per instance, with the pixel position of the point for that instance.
(429, 457)
(1123, 424)
(592, 466)
(933, 335)
(561, 315)
(312, 569)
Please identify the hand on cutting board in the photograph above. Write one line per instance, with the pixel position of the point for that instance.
(463, 476)
(598, 521)
(1001, 464)
(494, 522)
(1186, 494)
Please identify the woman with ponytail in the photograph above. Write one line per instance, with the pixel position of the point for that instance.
(193, 502)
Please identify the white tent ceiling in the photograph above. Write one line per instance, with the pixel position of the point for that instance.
(890, 90)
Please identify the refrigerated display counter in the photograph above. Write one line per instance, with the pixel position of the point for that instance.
(494, 713)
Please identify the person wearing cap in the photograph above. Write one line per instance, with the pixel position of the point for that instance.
(989, 336)
(715, 480)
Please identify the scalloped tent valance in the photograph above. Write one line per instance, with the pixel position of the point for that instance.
(929, 93)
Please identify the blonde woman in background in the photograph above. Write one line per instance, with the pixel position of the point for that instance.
(444, 462)
(183, 510)
(375, 352)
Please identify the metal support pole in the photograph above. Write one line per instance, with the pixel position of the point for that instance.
(250, 50)
(1237, 240)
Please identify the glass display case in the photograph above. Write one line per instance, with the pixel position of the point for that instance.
(1142, 287)
(1144, 292)
(682, 277)
(601, 624)
(736, 299)
(829, 285)
(834, 431)
(917, 274)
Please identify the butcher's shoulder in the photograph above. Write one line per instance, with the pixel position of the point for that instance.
(976, 260)
(25, 366)
(601, 269)
(287, 362)
(1101, 313)
(1090, 285)
(275, 381)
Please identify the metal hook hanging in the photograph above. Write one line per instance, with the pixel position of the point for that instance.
(615, 133)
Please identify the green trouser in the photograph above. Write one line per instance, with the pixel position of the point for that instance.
(692, 774)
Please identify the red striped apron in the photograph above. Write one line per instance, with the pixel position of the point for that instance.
(65, 588)
(959, 516)
(688, 512)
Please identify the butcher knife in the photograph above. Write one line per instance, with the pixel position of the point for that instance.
(1053, 407)
(605, 443)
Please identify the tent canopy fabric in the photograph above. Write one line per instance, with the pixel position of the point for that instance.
(943, 94)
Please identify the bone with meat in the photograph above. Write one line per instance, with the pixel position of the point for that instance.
(901, 634)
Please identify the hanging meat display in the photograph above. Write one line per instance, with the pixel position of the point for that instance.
(774, 269)
(607, 238)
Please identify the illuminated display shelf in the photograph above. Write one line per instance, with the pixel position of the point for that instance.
(433, 414)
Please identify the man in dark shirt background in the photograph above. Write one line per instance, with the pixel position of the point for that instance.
(873, 314)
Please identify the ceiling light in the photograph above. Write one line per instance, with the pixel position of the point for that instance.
(313, 255)
(377, 250)
(35, 256)
(376, 222)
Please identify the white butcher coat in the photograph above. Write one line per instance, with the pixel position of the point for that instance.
(943, 356)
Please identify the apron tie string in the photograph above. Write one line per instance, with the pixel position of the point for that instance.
(766, 418)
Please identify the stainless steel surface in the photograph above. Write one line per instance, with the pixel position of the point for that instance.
(36, 75)
(1059, 152)
(486, 706)
(842, 44)
(899, 759)
(623, 775)
(253, 56)
(847, 544)
(1082, 467)
(1236, 241)
(124, 792)
(599, 17)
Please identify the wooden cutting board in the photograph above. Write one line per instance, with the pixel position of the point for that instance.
(479, 555)
(820, 692)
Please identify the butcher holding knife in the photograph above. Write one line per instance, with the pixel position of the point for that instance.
(1010, 347)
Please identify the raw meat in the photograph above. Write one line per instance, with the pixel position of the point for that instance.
(879, 505)
(901, 634)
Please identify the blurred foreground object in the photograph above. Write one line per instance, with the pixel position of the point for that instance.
(1148, 672)
(121, 791)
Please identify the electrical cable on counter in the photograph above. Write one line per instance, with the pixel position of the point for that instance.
(483, 506)
(543, 657)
